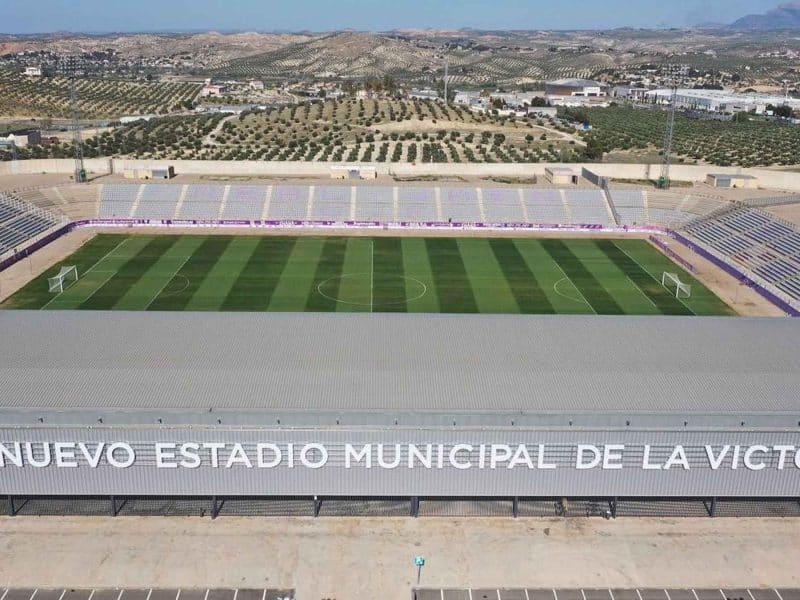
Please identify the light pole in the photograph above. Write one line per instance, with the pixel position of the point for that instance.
(419, 562)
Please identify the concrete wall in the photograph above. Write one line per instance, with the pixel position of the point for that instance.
(768, 179)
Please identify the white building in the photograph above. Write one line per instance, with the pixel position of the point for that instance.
(517, 99)
(134, 118)
(426, 94)
(550, 112)
(212, 91)
(574, 87)
(720, 100)
(33, 71)
(20, 141)
(466, 98)
(230, 109)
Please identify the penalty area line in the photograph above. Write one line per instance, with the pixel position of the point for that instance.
(89, 270)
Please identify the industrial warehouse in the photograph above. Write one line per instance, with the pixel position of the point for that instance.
(395, 414)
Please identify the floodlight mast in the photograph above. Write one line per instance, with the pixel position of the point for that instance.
(446, 68)
(71, 65)
(77, 139)
(674, 72)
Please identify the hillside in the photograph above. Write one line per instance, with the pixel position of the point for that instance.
(785, 16)
(479, 60)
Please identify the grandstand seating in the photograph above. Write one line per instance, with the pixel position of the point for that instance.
(20, 222)
(402, 203)
(588, 206)
(375, 204)
(244, 202)
(631, 206)
(756, 241)
(502, 205)
(331, 203)
(201, 202)
(158, 202)
(417, 205)
(460, 205)
(289, 203)
(545, 206)
(117, 200)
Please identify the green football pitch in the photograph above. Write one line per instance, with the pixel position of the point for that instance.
(362, 274)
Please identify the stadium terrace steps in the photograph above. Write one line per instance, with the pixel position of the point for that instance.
(544, 206)
(158, 202)
(20, 222)
(117, 201)
(244, 202)
(755, 240)
(375, 204)
(417, 205)
(383, 204)
(201, 201)
(502, 205)
(631, 206)
(460, 205)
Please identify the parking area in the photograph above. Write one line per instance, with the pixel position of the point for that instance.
(606, 594)
(144, 594)
(373, 558)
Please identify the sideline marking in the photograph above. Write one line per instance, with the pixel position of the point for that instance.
(651, 277)
(97, 289)
(89, 270)
(371, 273)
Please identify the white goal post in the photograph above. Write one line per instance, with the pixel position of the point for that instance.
(56, 284)
(672, 282)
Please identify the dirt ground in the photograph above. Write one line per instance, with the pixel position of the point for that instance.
(372, 558)
(787, 212)
(744, 300)
(18, 275)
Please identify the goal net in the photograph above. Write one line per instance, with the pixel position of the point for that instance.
(65, 274)
(675, 285)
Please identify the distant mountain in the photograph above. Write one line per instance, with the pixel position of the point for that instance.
(785, 16)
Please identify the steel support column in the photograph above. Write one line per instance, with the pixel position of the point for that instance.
(713, 510)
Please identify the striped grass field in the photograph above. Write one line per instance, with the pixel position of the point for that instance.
(358, 274)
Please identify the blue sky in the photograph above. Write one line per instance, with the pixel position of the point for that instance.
(36, 16)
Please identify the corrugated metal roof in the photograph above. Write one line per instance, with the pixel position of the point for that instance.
(575, 83)
(197, 361)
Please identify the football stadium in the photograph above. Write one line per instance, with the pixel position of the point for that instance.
(182, 347)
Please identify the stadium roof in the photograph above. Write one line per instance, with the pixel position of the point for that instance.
(117, 364)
